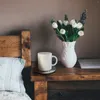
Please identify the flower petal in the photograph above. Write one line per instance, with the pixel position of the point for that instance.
(79, 25)
(54, 25)
(65, 22)
(62, 31)
(81, 33)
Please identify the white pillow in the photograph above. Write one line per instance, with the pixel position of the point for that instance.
(10, 74)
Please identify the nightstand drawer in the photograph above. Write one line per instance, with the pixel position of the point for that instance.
(73, 95)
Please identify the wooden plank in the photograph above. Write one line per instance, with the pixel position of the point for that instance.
(10, 46)
(68, 74)
(40, 90)
(26, 47)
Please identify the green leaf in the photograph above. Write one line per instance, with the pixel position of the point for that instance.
(66, 17)
(59, 25)
(52, 21)
(69, 28)
(66, 38)
(71, 38)
(66, 33)
(75, 30)
(74, 37)
(58, 33)
(60, 37)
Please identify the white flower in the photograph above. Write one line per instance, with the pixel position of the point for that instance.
(74, 25)
(81, 33)
(62, 31)
(54, 25)
(79, 25)
(72, 21)
(60, 22)
(65, 22)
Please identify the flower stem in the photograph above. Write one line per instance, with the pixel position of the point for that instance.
(66, 37)
(59, 34)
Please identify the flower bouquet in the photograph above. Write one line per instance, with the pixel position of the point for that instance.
(69, 32)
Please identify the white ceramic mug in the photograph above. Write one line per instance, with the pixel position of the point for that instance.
(45, 61)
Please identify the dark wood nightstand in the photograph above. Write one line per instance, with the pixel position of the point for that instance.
(61, 74)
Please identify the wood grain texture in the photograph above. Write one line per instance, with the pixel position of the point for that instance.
(40, 90)
(26, 48)
(10, 46)
(67, 74)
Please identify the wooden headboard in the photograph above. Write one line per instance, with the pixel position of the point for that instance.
(16, 46)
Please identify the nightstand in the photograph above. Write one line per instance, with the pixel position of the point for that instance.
(61, 74)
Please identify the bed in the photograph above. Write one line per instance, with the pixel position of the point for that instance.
(15, 55)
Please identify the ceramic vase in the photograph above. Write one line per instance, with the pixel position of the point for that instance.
(68, 56)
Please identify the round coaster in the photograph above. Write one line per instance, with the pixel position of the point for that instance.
(48, 72)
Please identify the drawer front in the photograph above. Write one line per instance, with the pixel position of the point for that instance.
(84, 90)
(73, 95)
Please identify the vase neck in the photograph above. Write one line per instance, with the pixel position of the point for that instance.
(69, 44)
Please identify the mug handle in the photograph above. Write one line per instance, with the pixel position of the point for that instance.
(55, 61)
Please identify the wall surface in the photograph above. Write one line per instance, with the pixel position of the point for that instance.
(35, 15)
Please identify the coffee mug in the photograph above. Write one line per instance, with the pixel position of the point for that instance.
(45, 61)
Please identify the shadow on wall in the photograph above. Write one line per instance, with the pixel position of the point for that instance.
(45, 39)
(16, 31)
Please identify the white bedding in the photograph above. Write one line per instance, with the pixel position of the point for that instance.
(4, 95)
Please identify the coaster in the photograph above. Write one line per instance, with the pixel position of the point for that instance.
(48, 72)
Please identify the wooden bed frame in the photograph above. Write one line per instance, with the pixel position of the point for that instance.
(16, 46)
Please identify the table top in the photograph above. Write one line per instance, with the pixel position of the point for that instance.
(66, 74)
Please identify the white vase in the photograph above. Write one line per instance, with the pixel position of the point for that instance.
(68, 57)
